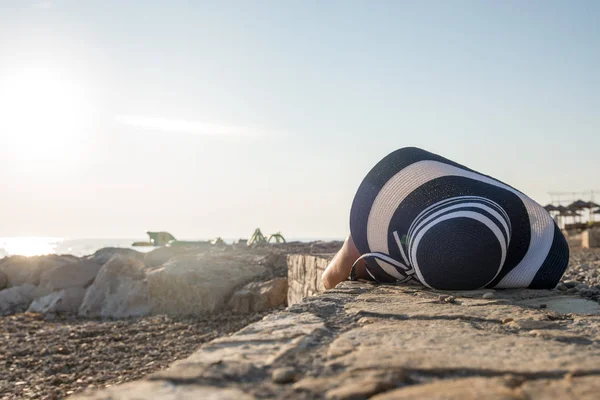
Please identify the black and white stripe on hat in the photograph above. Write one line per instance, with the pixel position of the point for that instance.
(419, 216)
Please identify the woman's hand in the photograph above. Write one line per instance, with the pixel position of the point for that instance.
(339, 268)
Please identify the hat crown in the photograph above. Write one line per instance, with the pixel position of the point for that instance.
(448, 242)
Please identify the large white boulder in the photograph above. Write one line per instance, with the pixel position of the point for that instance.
(79, 274)
(259, 296)
(103, 255)
(161, 255)
(202, 283)
(17, 298)
(20, 270)
(3, 280)
(66, 300)
(120, 290)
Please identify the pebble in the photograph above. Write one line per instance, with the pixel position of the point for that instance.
(446, 298)
(572, 290)
(570, 284)
(507, 320)
(283, 375)
(50, 317)
(561, 286)
(489, 295)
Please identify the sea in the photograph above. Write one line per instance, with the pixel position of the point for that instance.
(36, 246)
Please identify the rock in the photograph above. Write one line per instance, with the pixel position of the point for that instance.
(189, 285)
(586, 293)
(3, 280)
(489, 295)
(283, 375)
(49, 316)
(565, 304)
(20, 270)
(325, 247)
(585, 387)
(365, 385)
(571, 284)
(163, 390)
(353, 383)
(304, 275)
(102, 256)
(79, 274)
(120, 290)
(161, 255)
(250, 350)
(450, 299)
(454, 389)
(274, 260)
(412, 347)
(529, 324)
(561, 286)
(445, 298)
(64, 301)
(16, 298)
(507, 320)
(259, 296)
(572, 290)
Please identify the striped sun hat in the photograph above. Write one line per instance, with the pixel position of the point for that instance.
(420, 217)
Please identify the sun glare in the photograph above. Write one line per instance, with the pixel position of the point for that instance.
(29, 246)
(41, 113)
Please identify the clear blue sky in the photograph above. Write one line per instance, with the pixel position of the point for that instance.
(213, 118)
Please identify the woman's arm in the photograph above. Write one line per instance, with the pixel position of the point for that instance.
(339, 268)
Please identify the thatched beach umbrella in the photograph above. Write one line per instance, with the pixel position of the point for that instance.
(565, 212)
(578, 205)
(583, 205)
(591, 204)
(560, 214)
(550, 207)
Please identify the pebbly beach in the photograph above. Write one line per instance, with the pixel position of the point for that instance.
(73, 323)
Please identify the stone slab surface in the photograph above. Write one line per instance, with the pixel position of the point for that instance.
(362, 340)
(566, 305)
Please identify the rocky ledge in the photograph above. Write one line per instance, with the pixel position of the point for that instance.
(362, 340)
(123, 283)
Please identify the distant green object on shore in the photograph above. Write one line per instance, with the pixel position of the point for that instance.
(259, 238)
(217, 242)
(163, 238)
(166, 239)
(278, 237)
